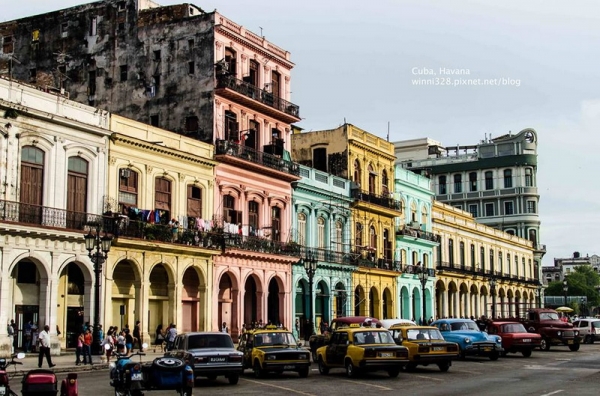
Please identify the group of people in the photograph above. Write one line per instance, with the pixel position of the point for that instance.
(33, 340)
(119, 341)
(164, 338)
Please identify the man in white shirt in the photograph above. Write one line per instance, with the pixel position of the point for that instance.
(44, 338)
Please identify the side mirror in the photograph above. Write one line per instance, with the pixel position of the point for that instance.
(20, 355)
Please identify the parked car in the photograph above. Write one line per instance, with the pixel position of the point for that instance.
(360, 349)
(426, 346)
(515, 337)
(212, 354)
(273, 350)
(589, 329)
(546, 322)
(318, 340)
(470, 339)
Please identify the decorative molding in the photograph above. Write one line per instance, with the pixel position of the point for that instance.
(149, 168)
(112, 160)
(181, 177)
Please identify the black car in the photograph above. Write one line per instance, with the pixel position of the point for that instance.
(211, 354)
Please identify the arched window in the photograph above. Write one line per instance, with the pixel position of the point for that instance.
(372, 180)
(461, 248)
(482, 258)
(301, 229)
(442, 185)
(451, 252)
(372, 239)
(163, 199)
(77, 188)
(387, 245)
(339, 239)
(32, 177)
(489, 180)
(415, 258)
(128, 189)
(384, 182)
(321, 235)
(424, 215)
(508, 264)
(500, 262)
(528, 177)
(357, 173)
(473, 256)
(413, 213)
(358, 237)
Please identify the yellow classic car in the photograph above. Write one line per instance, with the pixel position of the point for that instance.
(273, 350)
(360, 349)
(426, 345)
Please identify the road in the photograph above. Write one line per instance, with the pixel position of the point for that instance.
(557, 372)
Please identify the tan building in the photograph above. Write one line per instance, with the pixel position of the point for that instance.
(368, 161)
(159, 271)
(481, 270)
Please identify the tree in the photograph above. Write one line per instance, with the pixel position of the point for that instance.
(583, 282)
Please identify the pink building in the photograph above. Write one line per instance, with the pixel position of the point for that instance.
(252, 117)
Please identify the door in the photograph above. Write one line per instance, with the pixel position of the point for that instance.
(190, 316)
(77, 193)
(32, 185)
(24, 314)
(74, 325)
(330, 350)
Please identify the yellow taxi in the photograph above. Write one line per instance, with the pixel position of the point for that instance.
(426, 346)
(360, 349)
(273, 349)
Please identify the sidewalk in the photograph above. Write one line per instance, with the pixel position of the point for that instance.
(65, 363)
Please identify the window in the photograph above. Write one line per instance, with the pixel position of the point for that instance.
(92, 82)
(473, 210)
(492, 260)
(154, 120)
(275, 223)
(489, 180)
(190, 44)
(162, 200)
(128, 188)
(191, 68)
(384, 182)
(7, 45)
(250, 137)
(320, 158)
(321, 242)
(253, 73)
(32, 177)
(508, 178)
(77, 179)
(473, 255)
(338, 237)
(275, 84)
(231, 127)
(230, 62)
(523, 266)
(157, 56)
(93, 26)
(508, 208)
(528, 177)
(457, 183)
(451, 252)
(358, 240)
(191, 124)
(156, 83)
(230, 215)
(301, 229)
(372, 238)
(500, 262)
(482, 258)
(508, 264)
(473, 181)
(489, 209)
(357, 173)
(531, 207)
(372, 179)
(64, 29)
(123, 72)
(33, 75)
(461, 252)
(442, 185)
(253, 218)
(194, 201)
(387, 245)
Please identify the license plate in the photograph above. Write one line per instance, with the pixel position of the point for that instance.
(438, 348)
(289, 367)
(569, 342)
(2, 390)
(487, 349)
(527, 340)
(386, 354)
(136, 376)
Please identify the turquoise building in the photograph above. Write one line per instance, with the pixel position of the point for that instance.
(321, 228)
(414, 246)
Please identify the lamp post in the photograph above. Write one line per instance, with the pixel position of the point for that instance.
(98, 247)
(423, 275)
(565, 290)
(582, 308)
(493, 291)
(310, 266)
(540, 287)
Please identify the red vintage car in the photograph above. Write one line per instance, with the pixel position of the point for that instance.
(515, 337)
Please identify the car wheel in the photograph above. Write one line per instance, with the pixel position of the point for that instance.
(323, 369)
(494, 356)
(258, 371)
(545, 344)
(574, 347)
(233, 379)
(393, 373)
(444, 367)
(526, 353)
(168, 362)
(303, 373)
(351, 371)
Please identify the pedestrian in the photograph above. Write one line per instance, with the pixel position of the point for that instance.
(137, 335)
(79, 349)
(15, 335)
(171, 334)
(121, 343)
(108, 344)
(87, 346)
(129, 341)
(35, 341)
(224, 328)
(28, 337)
(45, 347)
(159, 338)
(11, 334)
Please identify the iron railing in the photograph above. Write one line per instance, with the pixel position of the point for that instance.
(417, 269)
(260, 95)
(417, 233)
(377, 199)
(228, 147)
(470, 270)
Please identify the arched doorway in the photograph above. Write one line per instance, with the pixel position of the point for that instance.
(440, 299)
(453, 310)
(416, 305)
(251, 308)
(301, 305)
(191, 297)
(159, 307)
(273, 303)
(321, 303)
(341, 299)
(359, 301)
(226, 301)
(374, 303)
(405, 306)
(71, 303)
(124, 292)
(26, 298)
(387, 306)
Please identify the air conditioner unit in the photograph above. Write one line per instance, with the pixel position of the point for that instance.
(415, 224)
(125, 173)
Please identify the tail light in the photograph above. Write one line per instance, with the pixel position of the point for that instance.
(3, 379)
(370, 353)
(235, 358)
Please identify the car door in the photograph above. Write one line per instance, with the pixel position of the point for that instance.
(341, 348)
(330, 348)
(249, 344)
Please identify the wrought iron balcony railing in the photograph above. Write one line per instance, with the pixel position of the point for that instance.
(470, 270)
(260, 95)
(417, 233)
(381, 200)
(228, 147)
(417, 269)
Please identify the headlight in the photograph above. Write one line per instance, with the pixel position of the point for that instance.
(558, 333)
(467, 340)
(302, 356)
(499, 340)
(271, 357)
(112, 365)
(576, 333)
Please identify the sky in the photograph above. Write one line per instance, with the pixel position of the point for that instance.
(360, 62)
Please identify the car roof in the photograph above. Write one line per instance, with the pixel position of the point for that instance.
(452, 320)
(355, 319)
(190, 333)
(387, 323)
(361, 328)
(410, 327)
(501, 322)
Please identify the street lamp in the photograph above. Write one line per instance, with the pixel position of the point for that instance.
(423, 275)
(582, 308)
(493, 291)
(565, 290)
(310, 266)
(101, 245)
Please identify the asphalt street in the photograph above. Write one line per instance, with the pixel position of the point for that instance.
(557, 372)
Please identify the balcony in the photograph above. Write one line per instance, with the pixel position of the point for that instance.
(417, 233)
(463, 269)
(384, 201)
(241, 155)
(259, 99)
(416, 269)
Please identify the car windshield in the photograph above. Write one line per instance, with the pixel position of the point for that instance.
(196, 341)
(513, 328)
(373, 337)
(463, 326)
(548, 316)
(274, 338)
(424, 334)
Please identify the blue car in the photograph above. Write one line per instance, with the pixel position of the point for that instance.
(470, 339)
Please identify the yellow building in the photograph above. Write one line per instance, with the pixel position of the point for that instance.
(368, 161)
(159, 269)
(481, 270)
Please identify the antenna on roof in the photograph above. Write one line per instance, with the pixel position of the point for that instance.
(261, 35)
(388, 135)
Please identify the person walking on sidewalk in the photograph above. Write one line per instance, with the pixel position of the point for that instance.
(137, 335)
(79, 349)
(45, 347)
(87, 346)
